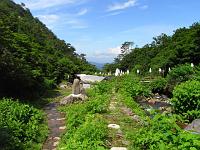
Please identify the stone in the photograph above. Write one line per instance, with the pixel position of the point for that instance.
(59, 119)
(55, 144)
(76, 87)
(72, 98)
(67, 100)
(82, 89)
(118, 148)
(56, 138)
(152, 101)
(194, 126)
(136, 118)
(62, 128)
(157, 96)
(63, 86)
(113, 126)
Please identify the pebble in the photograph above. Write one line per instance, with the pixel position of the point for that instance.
(55, 144)
(59, 119)
(62, 128)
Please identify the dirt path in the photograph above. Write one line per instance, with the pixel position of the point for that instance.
(123, 117)
(56, 124)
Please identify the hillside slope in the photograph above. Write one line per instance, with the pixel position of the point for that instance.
(32, 58)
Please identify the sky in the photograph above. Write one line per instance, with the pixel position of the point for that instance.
(98, 28)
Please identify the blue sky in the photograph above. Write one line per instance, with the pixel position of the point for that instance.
(97, 28)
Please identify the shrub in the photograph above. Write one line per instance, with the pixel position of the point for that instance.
(86, 127)
(186, 99)
(131, 84)
(49, 83)
(90, 135)
(161, 132)
(21, 126)
(98, 104)
(179, 74)
(103, 87)
(158, 85)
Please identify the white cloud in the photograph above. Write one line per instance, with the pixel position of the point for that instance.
(43, 4)
(121, 6)
(112, 52)
(61, 20)
(82, 12)
(48, 19)
(115, 51)
(113, 14)
(144, 7)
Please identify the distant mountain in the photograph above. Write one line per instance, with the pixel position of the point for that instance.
(98, 65)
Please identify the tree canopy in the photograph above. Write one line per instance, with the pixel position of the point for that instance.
(164, 52)
(32, 58)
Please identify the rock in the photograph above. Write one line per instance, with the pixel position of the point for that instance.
(113, 126)
(169, 109)
(152, 101)
(164, 96)
(194, 126)
(162, 108)
(63, 86)
(72, 98)
(125, 142)
(118, 148)
(157, 96)
(136, 118)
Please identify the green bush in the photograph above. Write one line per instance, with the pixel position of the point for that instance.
(21, 126)
(186, 99)
(49, 84)
(131, 84)
(86, 127)
(98, 104)
(90, 135)
(158, 85)
(103, 87)
(179, 74)
(162, 133)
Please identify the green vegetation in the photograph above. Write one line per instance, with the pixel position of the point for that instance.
(86, 127)
(164, 52)
(33, 61)
(186, 99)
(32, 58)
(180, 73)
(130, 84)
(161, 132)
(22, 127)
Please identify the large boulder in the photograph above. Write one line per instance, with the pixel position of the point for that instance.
(194, 126)
(73, 98)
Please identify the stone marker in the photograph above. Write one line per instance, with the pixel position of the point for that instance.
(76, 87)
(78, 93)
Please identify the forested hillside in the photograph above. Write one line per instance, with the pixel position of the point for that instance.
(164, 52)
(32, 58)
